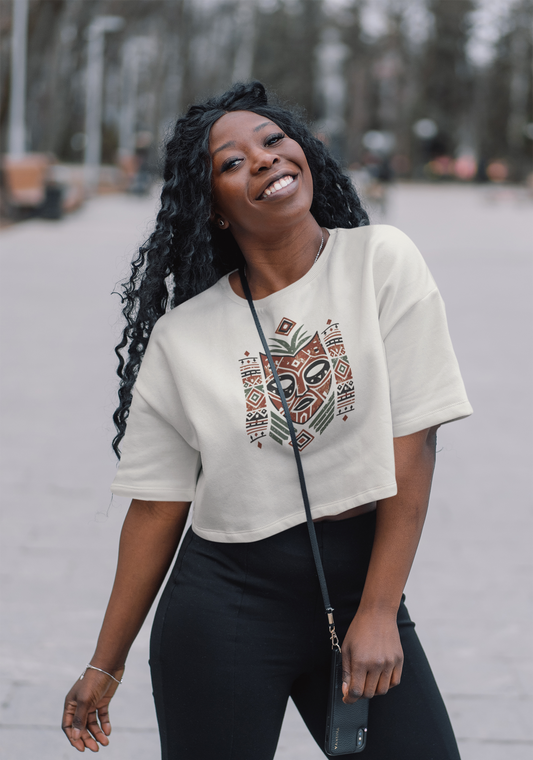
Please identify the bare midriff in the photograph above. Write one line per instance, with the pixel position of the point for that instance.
(360, 510)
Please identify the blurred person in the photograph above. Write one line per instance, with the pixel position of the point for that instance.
(360, 340)
(143, 177)
(380, 175)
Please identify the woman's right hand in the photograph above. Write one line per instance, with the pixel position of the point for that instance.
(86, 714)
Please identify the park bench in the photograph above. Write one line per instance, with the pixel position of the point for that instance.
(30, 188)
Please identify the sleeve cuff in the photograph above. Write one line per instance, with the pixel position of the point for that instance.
(430, 419)
(157, 493)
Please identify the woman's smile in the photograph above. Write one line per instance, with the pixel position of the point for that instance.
(277, 184)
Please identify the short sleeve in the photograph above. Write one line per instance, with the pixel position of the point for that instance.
(158, 459)
(426, 387)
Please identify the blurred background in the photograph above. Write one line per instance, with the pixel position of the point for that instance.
(428, 105)
(411, 89)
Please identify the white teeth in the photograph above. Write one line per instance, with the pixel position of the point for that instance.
(279, 184)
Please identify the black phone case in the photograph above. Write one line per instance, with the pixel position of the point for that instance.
(346, 726)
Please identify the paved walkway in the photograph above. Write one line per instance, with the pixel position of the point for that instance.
(469, 587)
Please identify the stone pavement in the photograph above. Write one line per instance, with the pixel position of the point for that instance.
(469, 587)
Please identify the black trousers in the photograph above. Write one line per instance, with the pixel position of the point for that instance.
(240, 628)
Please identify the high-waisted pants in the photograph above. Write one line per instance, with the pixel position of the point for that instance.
(241, 627)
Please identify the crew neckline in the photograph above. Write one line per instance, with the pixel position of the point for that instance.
(310, 275)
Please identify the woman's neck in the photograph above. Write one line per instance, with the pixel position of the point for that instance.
(276, 262)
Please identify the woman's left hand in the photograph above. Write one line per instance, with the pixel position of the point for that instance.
(372, 655)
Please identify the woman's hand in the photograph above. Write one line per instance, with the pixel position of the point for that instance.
(372, 656)
(86, 715)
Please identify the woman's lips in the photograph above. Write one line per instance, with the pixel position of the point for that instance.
(278, 186)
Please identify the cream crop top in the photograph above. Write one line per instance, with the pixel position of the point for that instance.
(362, 348)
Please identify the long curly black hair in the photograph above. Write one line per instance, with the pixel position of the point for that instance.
(186, 253)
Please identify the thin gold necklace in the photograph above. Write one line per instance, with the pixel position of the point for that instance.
(316, 257)
(319, 250)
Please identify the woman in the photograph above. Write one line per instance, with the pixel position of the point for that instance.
(358, 334)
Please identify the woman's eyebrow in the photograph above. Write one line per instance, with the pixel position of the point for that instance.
(264, 124)
(230, 144)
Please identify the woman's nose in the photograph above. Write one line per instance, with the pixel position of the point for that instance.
(263, 160)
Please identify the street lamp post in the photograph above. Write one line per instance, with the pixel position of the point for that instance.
(16, 144)
(93, 95)
(136, 51)
(331, 85)
(242, 66)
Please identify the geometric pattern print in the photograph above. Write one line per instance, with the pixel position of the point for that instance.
(341, 367)
(263, 418)
(285, 326)
(256, 402)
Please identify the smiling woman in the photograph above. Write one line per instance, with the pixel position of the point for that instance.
(358, 339)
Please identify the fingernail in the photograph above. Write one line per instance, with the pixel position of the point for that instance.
(76, 733)
(344, 688)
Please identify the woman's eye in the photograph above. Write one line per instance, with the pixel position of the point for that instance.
(230, 163)
(274, 138)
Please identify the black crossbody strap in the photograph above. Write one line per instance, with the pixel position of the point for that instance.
(310, 524)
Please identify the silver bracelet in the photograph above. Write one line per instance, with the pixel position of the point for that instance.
(93, 667)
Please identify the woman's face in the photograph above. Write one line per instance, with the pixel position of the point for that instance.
(261, 178)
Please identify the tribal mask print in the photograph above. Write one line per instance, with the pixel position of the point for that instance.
(305, 378)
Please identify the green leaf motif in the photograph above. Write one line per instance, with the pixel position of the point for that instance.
(324, 416)
(279, 429)
(285, 348)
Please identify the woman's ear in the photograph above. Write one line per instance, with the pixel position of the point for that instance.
(220, 223)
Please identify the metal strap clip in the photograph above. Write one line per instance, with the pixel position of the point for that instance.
(335, 644)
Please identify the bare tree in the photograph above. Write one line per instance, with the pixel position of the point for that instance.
(310, 52)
